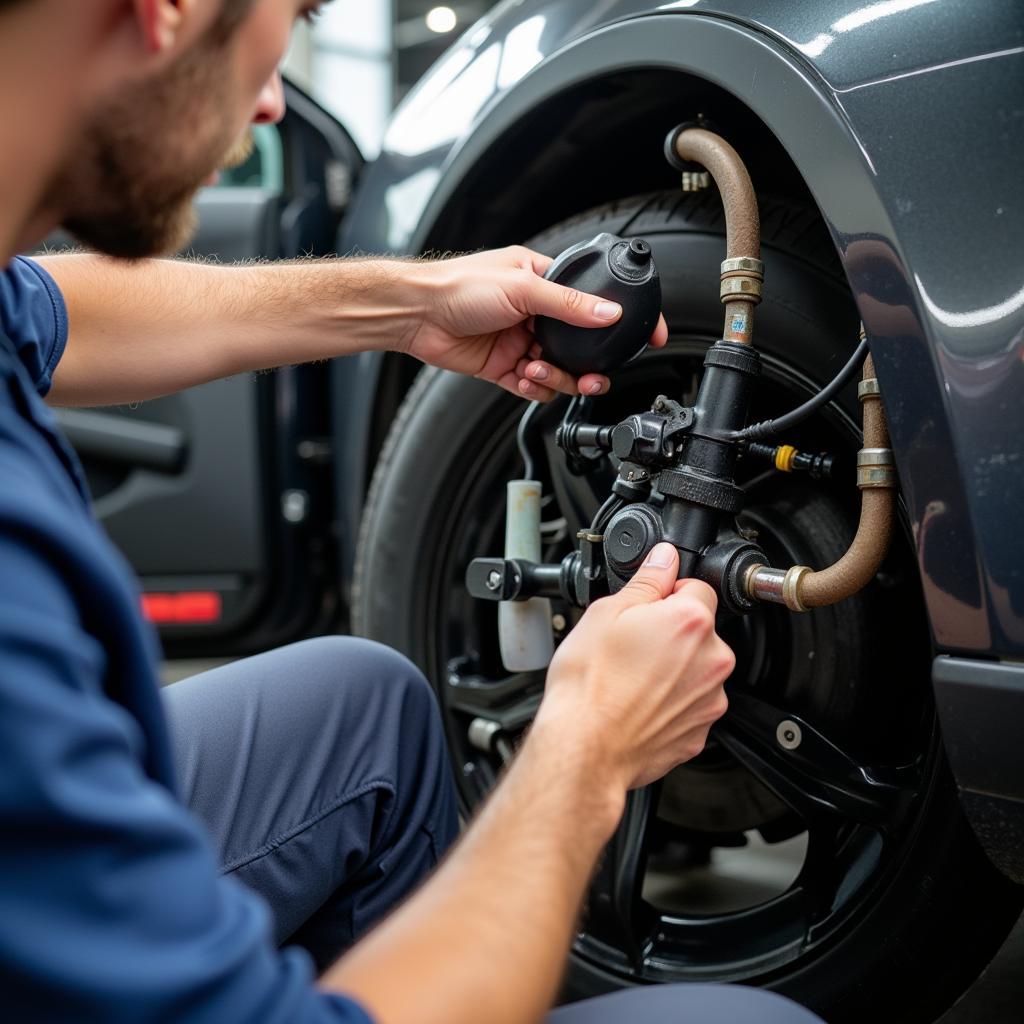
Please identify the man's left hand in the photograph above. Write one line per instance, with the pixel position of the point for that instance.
(480, 317)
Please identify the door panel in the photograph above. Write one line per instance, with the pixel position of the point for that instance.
(219, 496)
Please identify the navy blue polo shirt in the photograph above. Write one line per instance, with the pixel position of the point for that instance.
(111, 905)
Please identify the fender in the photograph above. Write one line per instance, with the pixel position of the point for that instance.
(940, 370)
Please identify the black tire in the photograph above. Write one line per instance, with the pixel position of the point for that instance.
(926, 925)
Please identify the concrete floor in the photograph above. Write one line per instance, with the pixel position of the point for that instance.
(758, 871)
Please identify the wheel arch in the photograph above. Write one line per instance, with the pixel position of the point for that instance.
(506, 179)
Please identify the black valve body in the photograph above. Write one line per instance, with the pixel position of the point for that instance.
(620, 270)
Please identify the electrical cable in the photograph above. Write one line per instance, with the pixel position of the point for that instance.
(768, 428)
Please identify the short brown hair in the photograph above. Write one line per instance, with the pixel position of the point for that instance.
(232, 13)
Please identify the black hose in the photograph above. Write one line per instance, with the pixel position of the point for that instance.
(768, 428)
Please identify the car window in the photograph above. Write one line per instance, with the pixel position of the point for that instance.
(264, 168)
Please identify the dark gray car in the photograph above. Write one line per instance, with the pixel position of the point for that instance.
(885, 144)
(884, 140)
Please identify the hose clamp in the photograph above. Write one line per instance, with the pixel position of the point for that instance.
(743, 279)
(695, 181)
(776, 586)
(791, 588)
(876, 467)
(868, 388)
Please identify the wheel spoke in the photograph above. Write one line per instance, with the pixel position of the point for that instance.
(814, 776)
(616, 913)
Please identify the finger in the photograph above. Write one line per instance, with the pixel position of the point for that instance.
(540, 262)
(516, 385)
(569, 305)
(660, 337)
(695, 590)
(551, 377)
(535, 351)
(593, 384)
(534, 392)
(655, 579)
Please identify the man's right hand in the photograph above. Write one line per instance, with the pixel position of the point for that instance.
(631, 693)
(639, 681)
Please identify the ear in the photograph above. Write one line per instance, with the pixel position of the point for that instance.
(161, 21)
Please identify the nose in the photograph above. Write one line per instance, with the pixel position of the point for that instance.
(270, 105)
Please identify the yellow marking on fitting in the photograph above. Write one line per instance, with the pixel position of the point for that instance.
(784, 456)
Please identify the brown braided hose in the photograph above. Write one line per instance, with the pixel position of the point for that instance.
(801, 588)
(857, 568)
(742, 272)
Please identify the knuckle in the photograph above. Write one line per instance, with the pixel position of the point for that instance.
(725, 662)
(573, 299)
(694, 745)
(720, 706)
(691, 587)
(697, 620)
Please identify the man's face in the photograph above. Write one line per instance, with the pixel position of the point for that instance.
(127, 189)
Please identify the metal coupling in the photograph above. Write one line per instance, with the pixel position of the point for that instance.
(742, 279)
(695, 181)
(868, 388)
(777, 586)
(876, 467)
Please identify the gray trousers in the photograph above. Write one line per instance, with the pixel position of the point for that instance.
(321, 772)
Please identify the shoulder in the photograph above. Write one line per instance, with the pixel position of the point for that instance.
(33, 317)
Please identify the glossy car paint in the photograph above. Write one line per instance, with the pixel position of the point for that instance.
(904, 118)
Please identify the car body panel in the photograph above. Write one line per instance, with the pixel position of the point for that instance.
(903, 118)
(876, 160)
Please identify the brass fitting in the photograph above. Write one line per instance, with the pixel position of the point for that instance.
(801, 588)
(742, 277)
(777, 586)
(875, 468)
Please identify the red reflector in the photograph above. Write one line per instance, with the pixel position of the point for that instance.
(188, 607)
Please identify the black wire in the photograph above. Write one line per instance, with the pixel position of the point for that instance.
(523, 438)
(768, 428)
(578, 408)
(611, 505)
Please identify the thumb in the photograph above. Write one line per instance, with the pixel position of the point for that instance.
(545, 298)
(656, 578)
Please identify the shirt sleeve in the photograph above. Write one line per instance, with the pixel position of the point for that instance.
(111, 906)
(33, 315)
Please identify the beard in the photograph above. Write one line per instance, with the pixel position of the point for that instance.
(128, 189)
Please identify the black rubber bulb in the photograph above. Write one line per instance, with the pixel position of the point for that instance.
(614, 268)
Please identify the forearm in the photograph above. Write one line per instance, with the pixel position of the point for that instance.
(139, 330)
(486, 938)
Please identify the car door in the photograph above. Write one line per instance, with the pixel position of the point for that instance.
(219, 496)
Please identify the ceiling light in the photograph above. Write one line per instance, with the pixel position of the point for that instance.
(441, 20)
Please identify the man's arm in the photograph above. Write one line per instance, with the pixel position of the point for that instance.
(153, 327)
(486, 938)
(140, 330)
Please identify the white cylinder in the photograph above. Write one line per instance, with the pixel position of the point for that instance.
(524, 627)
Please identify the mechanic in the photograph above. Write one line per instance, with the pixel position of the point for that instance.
(157, 854)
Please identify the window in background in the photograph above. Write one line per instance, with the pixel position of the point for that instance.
(345, 62)
(264, 168)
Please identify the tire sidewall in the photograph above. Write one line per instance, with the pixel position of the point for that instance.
(945, 895)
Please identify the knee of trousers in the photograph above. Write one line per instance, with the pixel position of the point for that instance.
(390, 711)
(372, 684)
(364, 670)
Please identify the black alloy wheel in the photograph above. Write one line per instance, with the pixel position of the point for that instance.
(830, 744)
